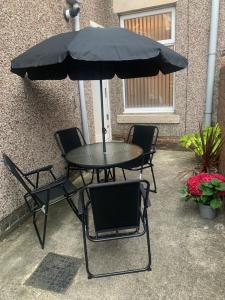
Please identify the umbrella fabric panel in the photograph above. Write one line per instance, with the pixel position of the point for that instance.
(53, 50)
(97, 53)
(83, 70)
(111, 44)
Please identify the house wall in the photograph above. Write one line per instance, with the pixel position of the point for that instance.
(192, 37)
(221, 114)
(32, 111)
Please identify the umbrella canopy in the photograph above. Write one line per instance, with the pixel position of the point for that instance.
(97, 53)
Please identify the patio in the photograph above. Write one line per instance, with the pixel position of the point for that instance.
(187, 251)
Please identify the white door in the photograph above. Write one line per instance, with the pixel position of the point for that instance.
(97, 110)
(105, 87)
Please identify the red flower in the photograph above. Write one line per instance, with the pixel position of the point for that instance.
(194, 182)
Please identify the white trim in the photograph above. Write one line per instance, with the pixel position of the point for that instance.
(149, 109)
(169, 42)
(149, 118)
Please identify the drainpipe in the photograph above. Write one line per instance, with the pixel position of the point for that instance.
(71, 13)
(83, 108)
(211, 61)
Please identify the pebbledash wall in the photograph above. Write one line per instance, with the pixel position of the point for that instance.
(192, 39)
(32, 111)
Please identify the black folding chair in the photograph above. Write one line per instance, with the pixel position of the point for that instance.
(38, 198)
(67, 140)
(144, 136)
(118, 212)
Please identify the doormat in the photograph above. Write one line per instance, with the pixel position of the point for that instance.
(55, 273)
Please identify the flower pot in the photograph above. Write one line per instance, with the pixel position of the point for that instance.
(206, 211)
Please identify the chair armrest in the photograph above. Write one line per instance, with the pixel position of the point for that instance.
(58, 182)
(46, 168)
(143, 193)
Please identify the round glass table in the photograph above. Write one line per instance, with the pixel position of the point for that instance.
(91, 156)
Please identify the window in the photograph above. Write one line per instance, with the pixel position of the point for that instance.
(151, 94)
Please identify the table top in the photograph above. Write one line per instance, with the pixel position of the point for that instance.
(92, 156)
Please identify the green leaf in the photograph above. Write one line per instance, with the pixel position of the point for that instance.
(215, 182)
(206, 191)
(221, 187)
(204, 200)
(215, 203)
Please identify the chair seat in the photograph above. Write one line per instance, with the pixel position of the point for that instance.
(56, 192)
(137, 164)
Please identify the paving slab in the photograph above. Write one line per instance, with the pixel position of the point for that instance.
(188, 253)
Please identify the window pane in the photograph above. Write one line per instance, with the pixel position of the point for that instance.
(154, 91)
(157, 27)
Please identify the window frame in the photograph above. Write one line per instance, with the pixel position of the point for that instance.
(169, 42)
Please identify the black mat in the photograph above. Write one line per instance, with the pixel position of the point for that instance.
(54, 273)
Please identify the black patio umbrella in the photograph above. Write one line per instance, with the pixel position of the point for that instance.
(97, 54)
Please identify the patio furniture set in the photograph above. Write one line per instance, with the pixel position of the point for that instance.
(119, 208)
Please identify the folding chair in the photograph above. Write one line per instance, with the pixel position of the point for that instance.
(118, 210)
(144, 136)
(39, 198)
(67, 140)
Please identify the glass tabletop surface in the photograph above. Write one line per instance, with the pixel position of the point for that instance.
(92, 156)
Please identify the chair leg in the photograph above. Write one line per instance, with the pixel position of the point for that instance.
(148, 244)
(153, 177)
(124, 175)
(85, 249)
(68, 172)
(74, 208)
(91, 275)
(82, 177)
(41, 239)
(92, 176)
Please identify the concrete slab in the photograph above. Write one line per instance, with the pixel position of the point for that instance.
(187, 251)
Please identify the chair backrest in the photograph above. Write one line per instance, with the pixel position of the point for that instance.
(68, 139)
(144, 136)
(16, 172)
(115, 205)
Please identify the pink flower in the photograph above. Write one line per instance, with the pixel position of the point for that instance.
(194, 182)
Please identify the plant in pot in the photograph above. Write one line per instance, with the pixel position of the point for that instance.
(207, 190)
(206, 145)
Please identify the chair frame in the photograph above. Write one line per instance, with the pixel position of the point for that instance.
(69, 165)
(117, 235)
(148, 155)
(33, 190)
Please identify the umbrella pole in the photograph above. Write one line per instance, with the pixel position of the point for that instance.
(102, 113)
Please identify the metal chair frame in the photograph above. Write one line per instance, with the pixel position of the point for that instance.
(149, 155)
(117, 235)
(33, 192)
(70, 166)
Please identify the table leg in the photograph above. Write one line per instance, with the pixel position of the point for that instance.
(106, 175)
(114, 174)
(98, 178)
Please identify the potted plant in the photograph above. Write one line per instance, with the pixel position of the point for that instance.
(207, 145)
(207, 190)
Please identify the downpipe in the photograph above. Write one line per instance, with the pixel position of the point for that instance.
(211, 61)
